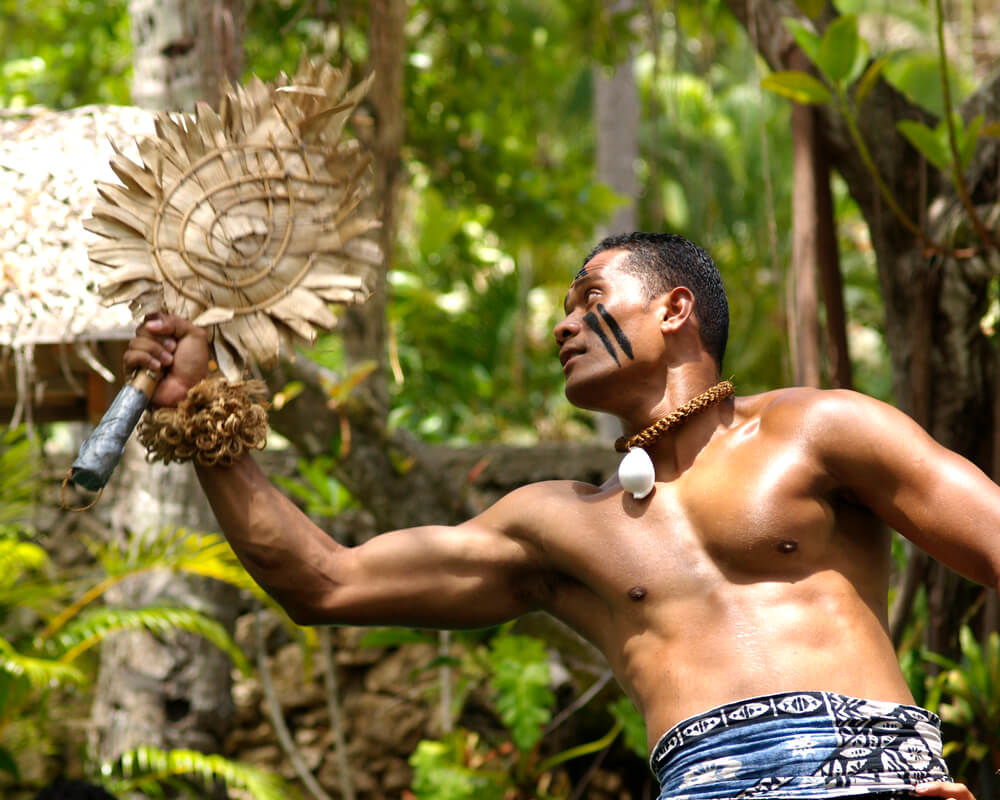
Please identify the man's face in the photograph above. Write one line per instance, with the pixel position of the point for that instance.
(610, 331)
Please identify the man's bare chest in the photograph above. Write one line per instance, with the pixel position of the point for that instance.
(735, 515)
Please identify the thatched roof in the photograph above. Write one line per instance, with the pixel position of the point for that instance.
(49, 162)
(54, 331)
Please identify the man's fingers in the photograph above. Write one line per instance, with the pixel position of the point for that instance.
(158, 324)
(945, 789)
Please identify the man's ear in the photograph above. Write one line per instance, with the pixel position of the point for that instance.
(677, 307)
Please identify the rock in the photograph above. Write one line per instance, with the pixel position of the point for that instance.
(291, 684)
(404, 672)
(241, 739)
(393, 723)
(247, 696)
(269, 756)
(348, 649)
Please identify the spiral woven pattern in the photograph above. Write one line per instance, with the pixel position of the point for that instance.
(214, 425)
(246, 221)
(647, 436)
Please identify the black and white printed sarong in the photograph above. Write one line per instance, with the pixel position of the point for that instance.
(800, 745)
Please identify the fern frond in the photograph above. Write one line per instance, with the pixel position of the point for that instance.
(16, 558)
(40, 672)
(95, 625)
(19, 481)
(144, 767)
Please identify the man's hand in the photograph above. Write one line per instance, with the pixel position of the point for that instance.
(174, 345)
(950, 791)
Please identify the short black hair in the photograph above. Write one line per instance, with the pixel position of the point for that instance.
(664, 261)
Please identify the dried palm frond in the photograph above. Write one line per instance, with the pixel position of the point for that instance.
(244, 221)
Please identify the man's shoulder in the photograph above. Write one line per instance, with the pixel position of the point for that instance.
(536, 508)
(820, 416)
(798, 403)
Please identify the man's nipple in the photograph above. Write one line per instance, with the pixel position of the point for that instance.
(788, 546)
(636, 593)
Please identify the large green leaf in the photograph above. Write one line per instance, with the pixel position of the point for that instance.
(843, 53)
(917, 74)
(801, 87)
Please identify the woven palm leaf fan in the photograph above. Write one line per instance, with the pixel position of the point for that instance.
(244, 221)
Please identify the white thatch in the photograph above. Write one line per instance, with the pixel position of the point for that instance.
(49, 164)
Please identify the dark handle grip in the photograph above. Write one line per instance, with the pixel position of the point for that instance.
(102, 450)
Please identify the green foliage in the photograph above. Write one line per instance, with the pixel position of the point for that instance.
(633, 725)
(799, 87)
(966, 694)
(64, 54)
(516, 764)
(144, 769)
(320, 494)
(521, 683)
(18, 486)
(917, 74)
(442, 770)
(934, 142)
(59, 619)
(95, 625)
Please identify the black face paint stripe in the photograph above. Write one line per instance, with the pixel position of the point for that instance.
(581, 273)
(591, 319)
(617, 332)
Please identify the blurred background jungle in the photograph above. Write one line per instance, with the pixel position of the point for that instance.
(838, 159)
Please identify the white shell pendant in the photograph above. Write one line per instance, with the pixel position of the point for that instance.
(636, 473)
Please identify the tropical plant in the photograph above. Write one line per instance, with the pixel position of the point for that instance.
(966, 694)
(51, 620)
(514, 671)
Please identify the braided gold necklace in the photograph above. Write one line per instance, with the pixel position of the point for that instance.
(636, 473)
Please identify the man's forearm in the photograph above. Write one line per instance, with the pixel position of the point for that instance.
(289, 556)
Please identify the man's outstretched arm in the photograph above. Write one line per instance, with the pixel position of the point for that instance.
(475, 574)
(471, 575)
(936, 498)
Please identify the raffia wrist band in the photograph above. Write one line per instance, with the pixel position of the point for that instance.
(213, 426)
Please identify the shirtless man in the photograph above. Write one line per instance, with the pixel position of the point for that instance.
(742, 603)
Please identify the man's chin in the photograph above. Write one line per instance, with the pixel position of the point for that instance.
(585, 395)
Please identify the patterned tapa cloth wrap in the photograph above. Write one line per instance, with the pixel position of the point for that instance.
(800, 745)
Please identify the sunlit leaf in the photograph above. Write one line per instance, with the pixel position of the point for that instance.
(799, 87)
(842, 52)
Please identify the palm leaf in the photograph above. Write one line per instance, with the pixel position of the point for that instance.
(144, 768)
(92, 627)
(40, 672)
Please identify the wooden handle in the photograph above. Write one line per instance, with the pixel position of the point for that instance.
(102, 450)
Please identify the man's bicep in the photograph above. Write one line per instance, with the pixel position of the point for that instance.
(465, 576)
(941, 501)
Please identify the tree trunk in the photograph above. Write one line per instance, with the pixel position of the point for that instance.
(803, 315)
(616, 129)
(173, 691)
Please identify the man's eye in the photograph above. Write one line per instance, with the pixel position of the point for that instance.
(590, 293)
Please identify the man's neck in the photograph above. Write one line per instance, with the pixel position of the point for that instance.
(674, 450)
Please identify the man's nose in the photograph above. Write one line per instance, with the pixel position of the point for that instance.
(565, 329)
